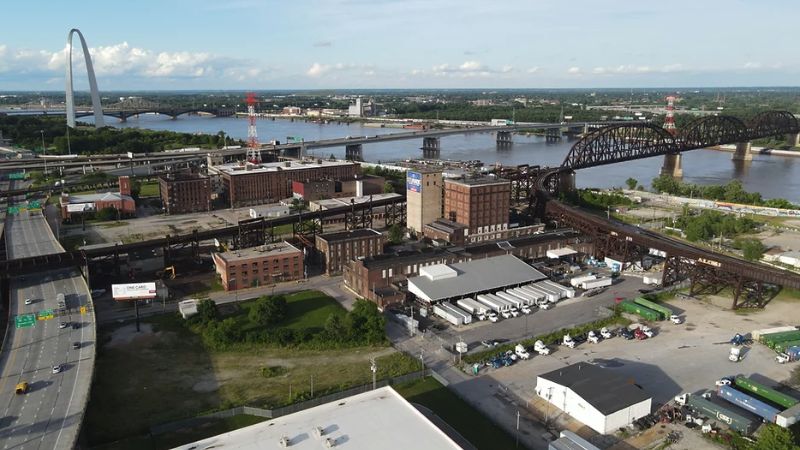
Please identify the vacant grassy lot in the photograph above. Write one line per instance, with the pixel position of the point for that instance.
(165, 373)
(307, 309)
(149, 189)
(472, 424)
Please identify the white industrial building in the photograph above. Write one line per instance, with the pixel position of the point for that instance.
(453, 281)
(378, 419)
(601, 399)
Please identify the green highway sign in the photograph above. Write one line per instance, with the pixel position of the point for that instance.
(45, 314)
(13, 210)
(35, 204)
(25, 320)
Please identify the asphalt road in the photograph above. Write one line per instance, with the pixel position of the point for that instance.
(50, 414)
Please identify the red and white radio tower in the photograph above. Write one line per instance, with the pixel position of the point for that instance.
(669, 120)
(253, 148)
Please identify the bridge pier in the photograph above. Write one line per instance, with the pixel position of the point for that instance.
(743, 152)
(552, 134)
(431, 148)
(793, 139)
(672, 165)
(504, 139)
(354, 152)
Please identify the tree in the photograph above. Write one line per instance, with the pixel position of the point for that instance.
(752, 249)
(396, 233)
(268, 310)
(773, 437)
(107, 213)
(388, 188)
(631, 182)
(334, 328)
(207, 311)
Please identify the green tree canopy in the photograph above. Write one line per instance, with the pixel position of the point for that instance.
(268, 310)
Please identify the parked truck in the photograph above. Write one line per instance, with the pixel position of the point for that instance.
(766, 392)
(474, 307)
(513, 299)
(521, 352)
(566, 292)
(553, 290)
(528, 298)
(542, 295)
(577, 281)
(651, 279)
(749, 403)
(644, 312)
(446, 314)
(466, 318)
(550, 294)
(727, 416)
(493, 303)
(665, 312)
(540, 348)
(61, 301)
(596, 283)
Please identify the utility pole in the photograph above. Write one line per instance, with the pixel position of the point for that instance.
(374, 368)
(411, 323)
(422, 361)
(517, 444)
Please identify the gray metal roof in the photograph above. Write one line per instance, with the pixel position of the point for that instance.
(478, 275)
(601, 388)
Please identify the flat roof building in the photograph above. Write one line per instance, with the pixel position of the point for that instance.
(423, 198)
(378, 419)
(482, 203)
(258, 266)
(185, 193)
(451, 281)
(344, 246)
(246, 184)
(598, 397)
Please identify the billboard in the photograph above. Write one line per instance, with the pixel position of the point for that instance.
(414, 182)
(77, 207)
(133, 291)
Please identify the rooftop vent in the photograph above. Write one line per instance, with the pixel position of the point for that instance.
(319, 432)
(330, 443)
(285, 442)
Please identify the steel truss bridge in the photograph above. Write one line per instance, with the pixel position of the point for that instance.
(123, 113)
(629, 141)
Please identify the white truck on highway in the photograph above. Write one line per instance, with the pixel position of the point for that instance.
(61, 301)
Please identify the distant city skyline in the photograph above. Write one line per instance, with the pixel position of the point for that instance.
(404, 44)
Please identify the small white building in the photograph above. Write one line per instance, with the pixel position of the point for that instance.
(601, 399)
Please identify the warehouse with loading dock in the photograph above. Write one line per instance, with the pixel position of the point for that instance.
(443, 282)
(598, 397)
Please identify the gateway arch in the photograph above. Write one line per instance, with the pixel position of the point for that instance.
(96, 106)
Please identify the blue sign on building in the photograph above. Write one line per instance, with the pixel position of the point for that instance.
(414, 182)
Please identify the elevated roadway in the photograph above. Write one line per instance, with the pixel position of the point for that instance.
(49, 416)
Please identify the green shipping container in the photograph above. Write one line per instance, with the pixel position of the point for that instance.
(647, 313)
(727, 416)
(782, 336)
(766, 392)
(781, 347)
(666, 312)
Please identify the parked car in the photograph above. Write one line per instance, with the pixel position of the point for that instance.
(489, 344)
(724, 381)
(625, 333)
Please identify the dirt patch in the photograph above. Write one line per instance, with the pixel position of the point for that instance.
(127, 334)
(206, 385)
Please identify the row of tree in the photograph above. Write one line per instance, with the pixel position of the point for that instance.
(732, 192)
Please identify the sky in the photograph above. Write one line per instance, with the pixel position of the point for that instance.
(368, 44)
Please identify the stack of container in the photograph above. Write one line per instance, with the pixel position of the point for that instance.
(663, 310)
(780, 339)
(643, 311)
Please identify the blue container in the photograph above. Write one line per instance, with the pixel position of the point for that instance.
(794, 353)
(749, 403)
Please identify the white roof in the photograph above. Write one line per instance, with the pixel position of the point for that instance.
(559, 252)
(379, 419)
(438, 272)
(475, 276)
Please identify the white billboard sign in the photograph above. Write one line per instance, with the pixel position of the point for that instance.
(133, 291)
(77, 207)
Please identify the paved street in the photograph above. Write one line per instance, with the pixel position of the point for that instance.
(50, 414)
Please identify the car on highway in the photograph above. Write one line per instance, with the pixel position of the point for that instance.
(76, 325)
(57, 368)
(22, 388)
(76, 345)
(28, 301)
(63, 325)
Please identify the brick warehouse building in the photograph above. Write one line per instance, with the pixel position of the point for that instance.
(246, 184)
(84, 205)
(377, 278)
(185, 193)
(340, 248)
(482, 204)
(259, 266)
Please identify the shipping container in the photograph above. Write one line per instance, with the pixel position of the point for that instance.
(576, 281)
(766, 392)
(598, 283)
(666, 312)
(549, 296)
(445, 314)
(550, 290)
(651, 279)
(535, 295)
(566, 292)
(781, 347)
(473, 306)
(789, 417)
(727, 416)
(647, 313)
(529, 299)
(466, 317)
(756, 334)
(515, 301)
(780, 337)
(749, 403)
(492, 303)
(794, 353)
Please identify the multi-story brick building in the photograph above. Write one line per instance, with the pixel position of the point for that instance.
(258, 266)
(423, 198)
(86, 205)
(482, 204)
(380, 278)
(341, 247)
(185, 193)
(245, 184)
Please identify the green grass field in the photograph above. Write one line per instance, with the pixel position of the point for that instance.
(149, 189)
(307, 309)
(473, 425)
(137, 374)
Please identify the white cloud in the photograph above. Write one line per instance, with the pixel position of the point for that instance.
(471, 66)
(317, 70)
(752, 65)
(506, 69)
(534, 70)
(574, 70)
(627, 69)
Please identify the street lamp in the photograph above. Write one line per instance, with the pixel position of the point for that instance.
(374, 368)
